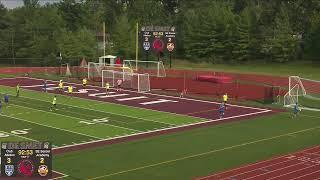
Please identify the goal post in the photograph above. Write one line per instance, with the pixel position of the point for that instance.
(94, 70)
(304, 91)
(135, 81)
(153, 68)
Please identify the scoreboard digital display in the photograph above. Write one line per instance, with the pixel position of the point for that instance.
(158, 38)
(26, 159)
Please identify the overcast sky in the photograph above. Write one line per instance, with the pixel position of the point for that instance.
(10, 4)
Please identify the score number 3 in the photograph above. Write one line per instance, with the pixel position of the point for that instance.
(9, 160)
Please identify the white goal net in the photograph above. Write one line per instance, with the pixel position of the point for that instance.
(153, 68)
(95, 70)
(304, 91)
(135, 81)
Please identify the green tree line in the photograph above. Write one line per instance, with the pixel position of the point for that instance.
(216, 31)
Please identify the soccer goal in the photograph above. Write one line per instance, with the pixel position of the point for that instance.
(136, 81)
(304, 91)
(95, 70)
(153, 68)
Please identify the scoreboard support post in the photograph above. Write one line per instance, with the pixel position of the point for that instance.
(170, 59)
(137, 44)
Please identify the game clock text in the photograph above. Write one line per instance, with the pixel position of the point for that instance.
(26, 159)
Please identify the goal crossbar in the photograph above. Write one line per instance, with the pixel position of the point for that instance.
(136, 81)
(153, 68)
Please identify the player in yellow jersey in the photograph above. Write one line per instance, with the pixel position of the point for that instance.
(54, 103)
(18, 90)
(61, 86)
(225, 100)
(107, 88)
(84, 82)
(70, 89)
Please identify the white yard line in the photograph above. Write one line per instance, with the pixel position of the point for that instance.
(211, 102)
(132, 98)
(63, 175)
(18, 136)
(72, 117)
(163, 129)
(158, 101)
(101, 102)
(50, 126)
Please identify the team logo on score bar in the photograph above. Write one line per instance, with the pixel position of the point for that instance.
(9, 169)
(43, 170)
(25, 167)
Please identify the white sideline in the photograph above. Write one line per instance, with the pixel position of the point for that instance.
(163, 129)
(63, 175)
(18, 136)
(48, 126)
(147, 132)
(72, 117)
(101, 102)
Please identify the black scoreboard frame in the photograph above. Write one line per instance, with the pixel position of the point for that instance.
(155, 36)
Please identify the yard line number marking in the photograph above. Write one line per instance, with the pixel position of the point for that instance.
(96, 121)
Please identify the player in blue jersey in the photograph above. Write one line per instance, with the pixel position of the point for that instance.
(221, 110)
(6, 99)
(45, 86)
(296, 110)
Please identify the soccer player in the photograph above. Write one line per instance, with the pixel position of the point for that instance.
(296, 110)
(221, 110)
(70, 89)
(6, 99)
(84, 82)
(45, 85)
(17, 90)
(225, 99)
(183, 93)
(119, 82)
(54, 103)
(61, 86)
(107, 88)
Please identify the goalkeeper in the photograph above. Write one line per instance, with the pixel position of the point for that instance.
(107, 88)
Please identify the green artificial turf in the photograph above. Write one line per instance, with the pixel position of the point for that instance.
(198, 152)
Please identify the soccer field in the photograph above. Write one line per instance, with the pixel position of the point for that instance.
(80, 128)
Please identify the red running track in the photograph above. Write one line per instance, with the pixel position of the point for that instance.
(302, 165)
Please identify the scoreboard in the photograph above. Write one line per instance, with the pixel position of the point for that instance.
(158, 38)
(26, 159)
